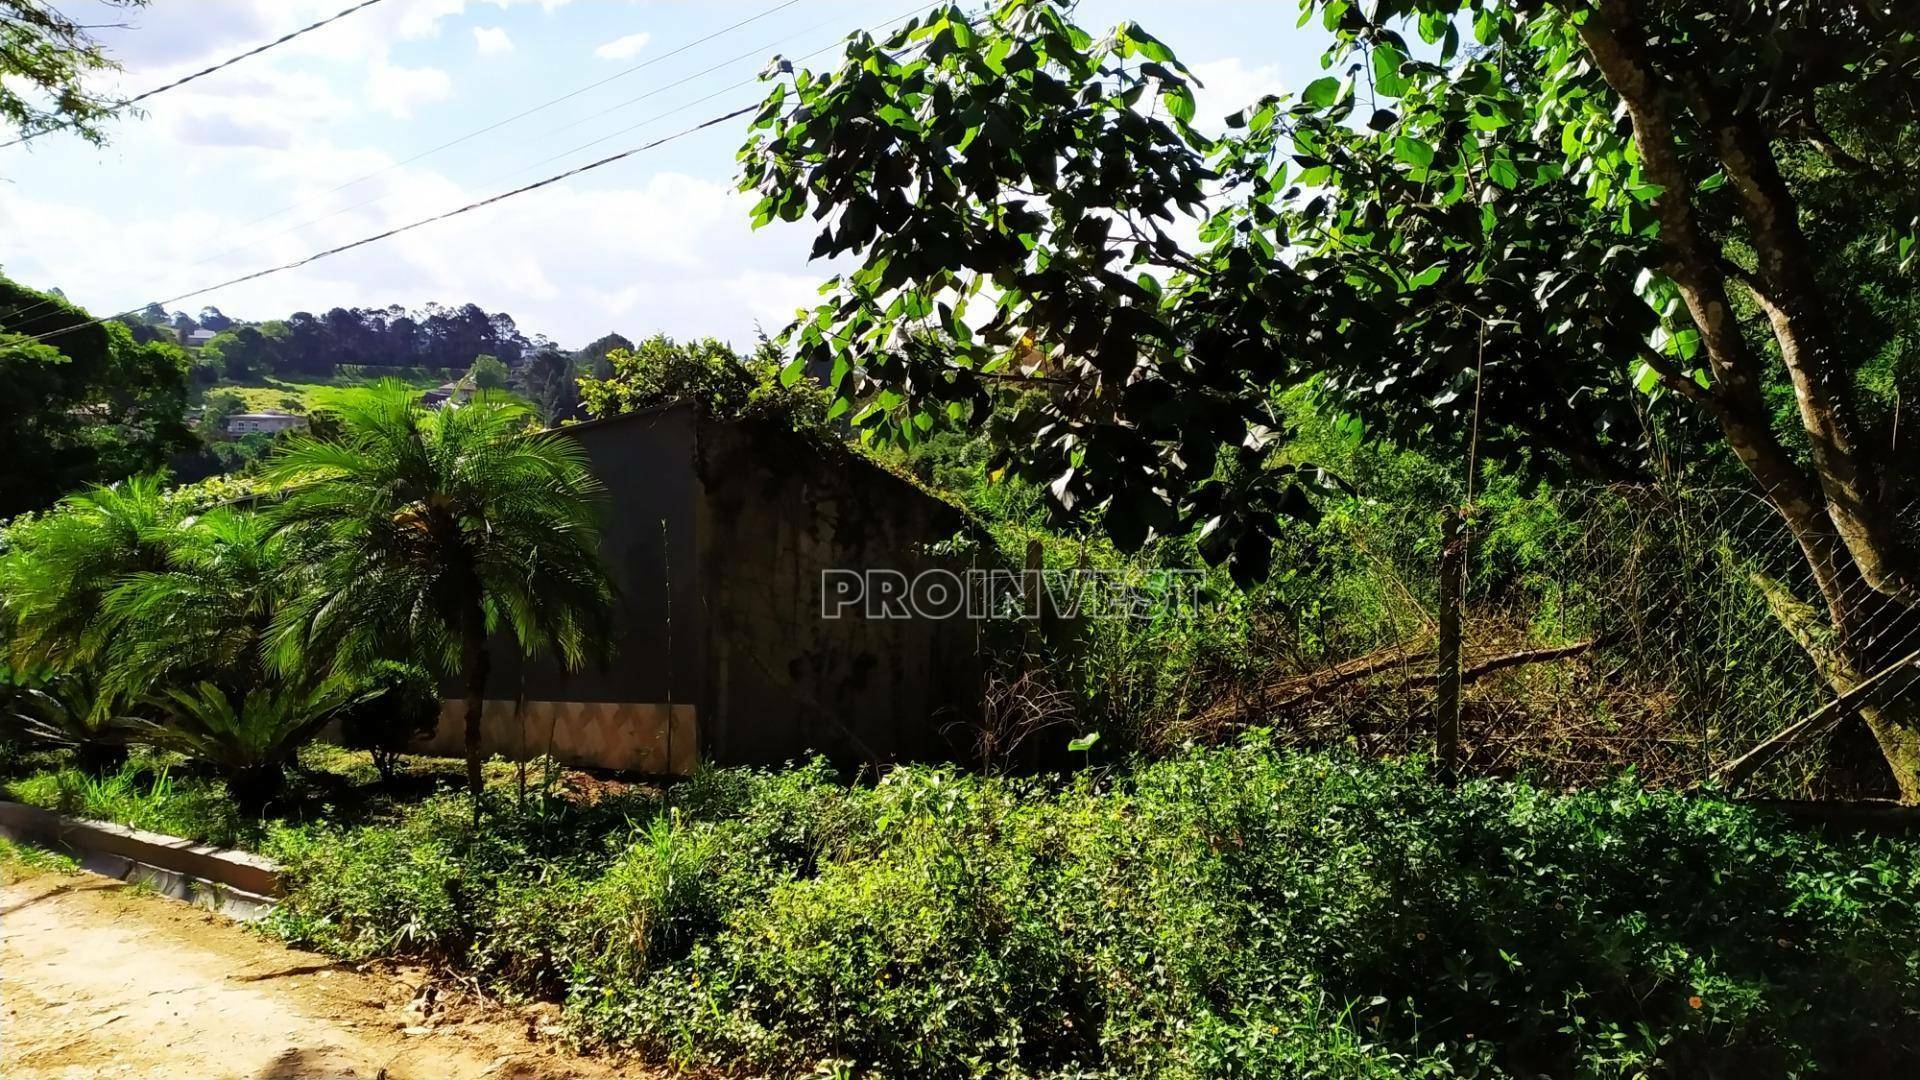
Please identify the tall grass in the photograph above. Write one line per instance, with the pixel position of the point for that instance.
(145, 794)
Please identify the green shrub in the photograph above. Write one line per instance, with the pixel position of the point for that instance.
(1235, 912)
(144, 793)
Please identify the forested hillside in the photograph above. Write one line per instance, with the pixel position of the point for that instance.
(306, 345)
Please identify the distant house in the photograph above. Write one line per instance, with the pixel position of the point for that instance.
(195, 338)
(457, 392)
(271, 423)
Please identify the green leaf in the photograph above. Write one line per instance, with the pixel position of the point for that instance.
(1486, 27)
(1386, 70)
(1179, 101)
(1413, 151)
(1321, 92)
(1149, 46)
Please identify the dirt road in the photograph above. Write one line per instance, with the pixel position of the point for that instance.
(99, 982)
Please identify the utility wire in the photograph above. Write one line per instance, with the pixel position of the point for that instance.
(365, 240)
(35, 309)
(524, 113)
(203, 72)
(443, 216)
(331, 214)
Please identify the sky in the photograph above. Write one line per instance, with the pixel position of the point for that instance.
(339, 134)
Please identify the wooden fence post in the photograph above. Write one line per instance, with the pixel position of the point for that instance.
(1446, 725)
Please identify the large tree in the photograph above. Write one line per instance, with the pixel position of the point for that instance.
(83, 402)
(432, 531)
(551, 380)
(1596, 219)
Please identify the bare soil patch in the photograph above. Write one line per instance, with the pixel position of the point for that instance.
(99, 982)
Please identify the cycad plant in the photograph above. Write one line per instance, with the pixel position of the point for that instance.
(249, 735)
(433, 530)
(69, 711)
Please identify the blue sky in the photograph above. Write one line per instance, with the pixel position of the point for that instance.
(234, 172)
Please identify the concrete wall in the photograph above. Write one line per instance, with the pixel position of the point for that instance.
(624, 713)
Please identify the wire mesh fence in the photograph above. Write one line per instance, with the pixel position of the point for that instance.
(1605, 628)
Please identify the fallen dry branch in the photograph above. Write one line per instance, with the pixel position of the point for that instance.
(1299, 689)
(1820, 720)
(1296, 689)
(1520, 658)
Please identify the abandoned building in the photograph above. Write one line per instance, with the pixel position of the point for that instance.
(717, 535)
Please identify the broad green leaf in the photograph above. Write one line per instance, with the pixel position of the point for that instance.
(1413, 151)
(1179, 102)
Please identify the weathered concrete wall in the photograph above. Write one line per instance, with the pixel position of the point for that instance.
(717, 535)
(643, 737)
(613, 715)
(776, 512)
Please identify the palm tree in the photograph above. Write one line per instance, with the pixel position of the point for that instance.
(205, 612)
(58, 569)
(431, 530)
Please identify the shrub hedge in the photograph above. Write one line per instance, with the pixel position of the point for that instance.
(1233, 912)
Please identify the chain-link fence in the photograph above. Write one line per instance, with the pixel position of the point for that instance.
(1604, 628)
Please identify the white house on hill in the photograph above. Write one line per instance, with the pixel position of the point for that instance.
(272, 423)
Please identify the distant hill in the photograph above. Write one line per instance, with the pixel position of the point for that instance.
(307, 346)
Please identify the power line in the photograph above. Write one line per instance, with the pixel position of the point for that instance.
(456, 212)
(363, 241)
(331, 214)
(203, 72)
(497, 124)
(516, 116)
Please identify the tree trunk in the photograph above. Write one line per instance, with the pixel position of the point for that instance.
(475, 665)
(1833, 514)
(99, 759)
(1896, 728)
(1446, 726)
(1880, 630)
(255, 786)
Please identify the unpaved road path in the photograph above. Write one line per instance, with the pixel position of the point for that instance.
(100, 982)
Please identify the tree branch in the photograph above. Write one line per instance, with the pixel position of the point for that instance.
(1676, 380)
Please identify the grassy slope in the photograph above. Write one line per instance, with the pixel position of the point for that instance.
(304, 397)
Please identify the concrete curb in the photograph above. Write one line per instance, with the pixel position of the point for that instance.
(234, 883)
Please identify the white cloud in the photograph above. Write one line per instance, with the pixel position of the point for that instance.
(399, 90)
(225, 129)
(173, 38)
(263, 107)
(640, 253)
(1229, 85)
(491, 40)
(672, 253)
(625, 48)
